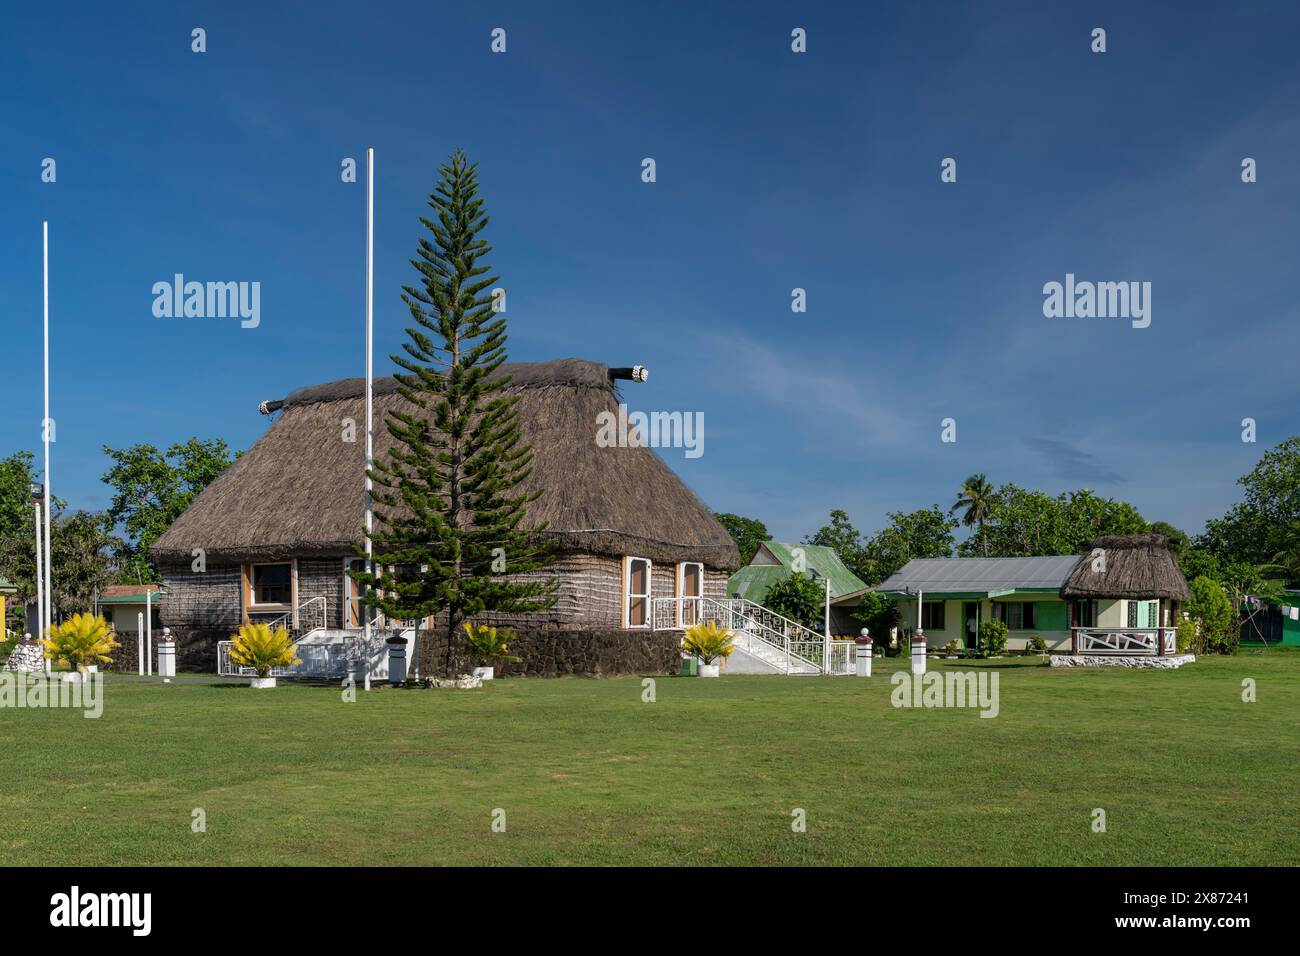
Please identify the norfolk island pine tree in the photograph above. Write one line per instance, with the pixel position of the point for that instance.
(449, 512)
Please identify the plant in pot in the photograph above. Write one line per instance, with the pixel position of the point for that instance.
(710, 643)
(262, 647)
(489, 646)
(83, 642)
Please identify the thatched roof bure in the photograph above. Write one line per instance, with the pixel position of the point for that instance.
(299, 490)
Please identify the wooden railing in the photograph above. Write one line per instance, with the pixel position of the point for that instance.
(1133, 641)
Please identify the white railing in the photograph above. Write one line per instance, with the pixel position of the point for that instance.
(798, 644)
(1134, 641)
(310, 615)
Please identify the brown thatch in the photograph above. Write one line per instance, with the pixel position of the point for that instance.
(1137, 566)
(299, 490)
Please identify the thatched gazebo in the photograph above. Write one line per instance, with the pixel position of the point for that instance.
(277, 530)
(1124, 595)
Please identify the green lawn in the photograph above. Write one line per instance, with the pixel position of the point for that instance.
(709, 773)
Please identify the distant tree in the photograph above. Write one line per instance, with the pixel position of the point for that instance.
(798, 597)
(845, 540)
(82, 550)
(974, 500)
(16, 477)
(1023, 523)
(152, 488)
(748, 533)
(924, 533)
(1260, 526)
(1178, 539)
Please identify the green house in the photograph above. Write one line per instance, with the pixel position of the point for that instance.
(775, 560)
(1119, 597)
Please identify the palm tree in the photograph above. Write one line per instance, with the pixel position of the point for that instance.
(975, 496)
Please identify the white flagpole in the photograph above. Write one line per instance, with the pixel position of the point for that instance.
(40, 578)
(370, 372)
(45, 430)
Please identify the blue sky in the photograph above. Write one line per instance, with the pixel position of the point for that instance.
(774, 171)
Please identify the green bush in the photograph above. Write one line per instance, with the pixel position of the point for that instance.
(1037, 645)
(1186, 636)
(993, 638)
(1211, 609)
(799, 598)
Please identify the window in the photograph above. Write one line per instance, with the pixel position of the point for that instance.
(1016, 615)
(690, 586)
(932, 615)
(271, 584)
(1087, 613)
(636, 592)
(1143, 613)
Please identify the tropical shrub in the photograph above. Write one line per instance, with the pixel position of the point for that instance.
(1211, 609)
(993, 638)
(489, 645)
(261, 648)
(1037, 645)
(952, 647)
(799, 598)
(81, 640)
(1186, 636)
(708, 642)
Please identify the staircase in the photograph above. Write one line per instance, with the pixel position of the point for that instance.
(325, 652)
(766, 642)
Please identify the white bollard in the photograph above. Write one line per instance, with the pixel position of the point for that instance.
(166, 656)
(918, 653)
(862, 653)
(396, 660)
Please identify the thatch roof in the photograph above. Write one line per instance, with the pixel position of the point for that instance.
(1137, 566)
(299, 490)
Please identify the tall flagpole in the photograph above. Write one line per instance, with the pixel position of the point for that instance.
(45, 428)
(370, 372)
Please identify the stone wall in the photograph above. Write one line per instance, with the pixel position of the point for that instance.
(598, 653)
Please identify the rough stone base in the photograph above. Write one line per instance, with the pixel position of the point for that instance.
(1120, 660)
(599, 653)
(27, 657)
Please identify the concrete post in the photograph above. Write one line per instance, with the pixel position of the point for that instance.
(862, 653)
(918, 653)
(396, 660)
(166, 656)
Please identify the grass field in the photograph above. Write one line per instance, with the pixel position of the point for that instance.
(707, 774)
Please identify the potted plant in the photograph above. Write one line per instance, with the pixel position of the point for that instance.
(260, 647)
(710, 643)
(82, 642)
(488, 646)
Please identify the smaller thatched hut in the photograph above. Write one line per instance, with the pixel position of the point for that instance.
(1127, 582)
(277, 532)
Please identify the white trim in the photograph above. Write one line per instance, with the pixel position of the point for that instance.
(681, 594)
(253, 605)
(628, 595)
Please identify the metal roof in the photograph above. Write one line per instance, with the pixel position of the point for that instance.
(981, 574)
